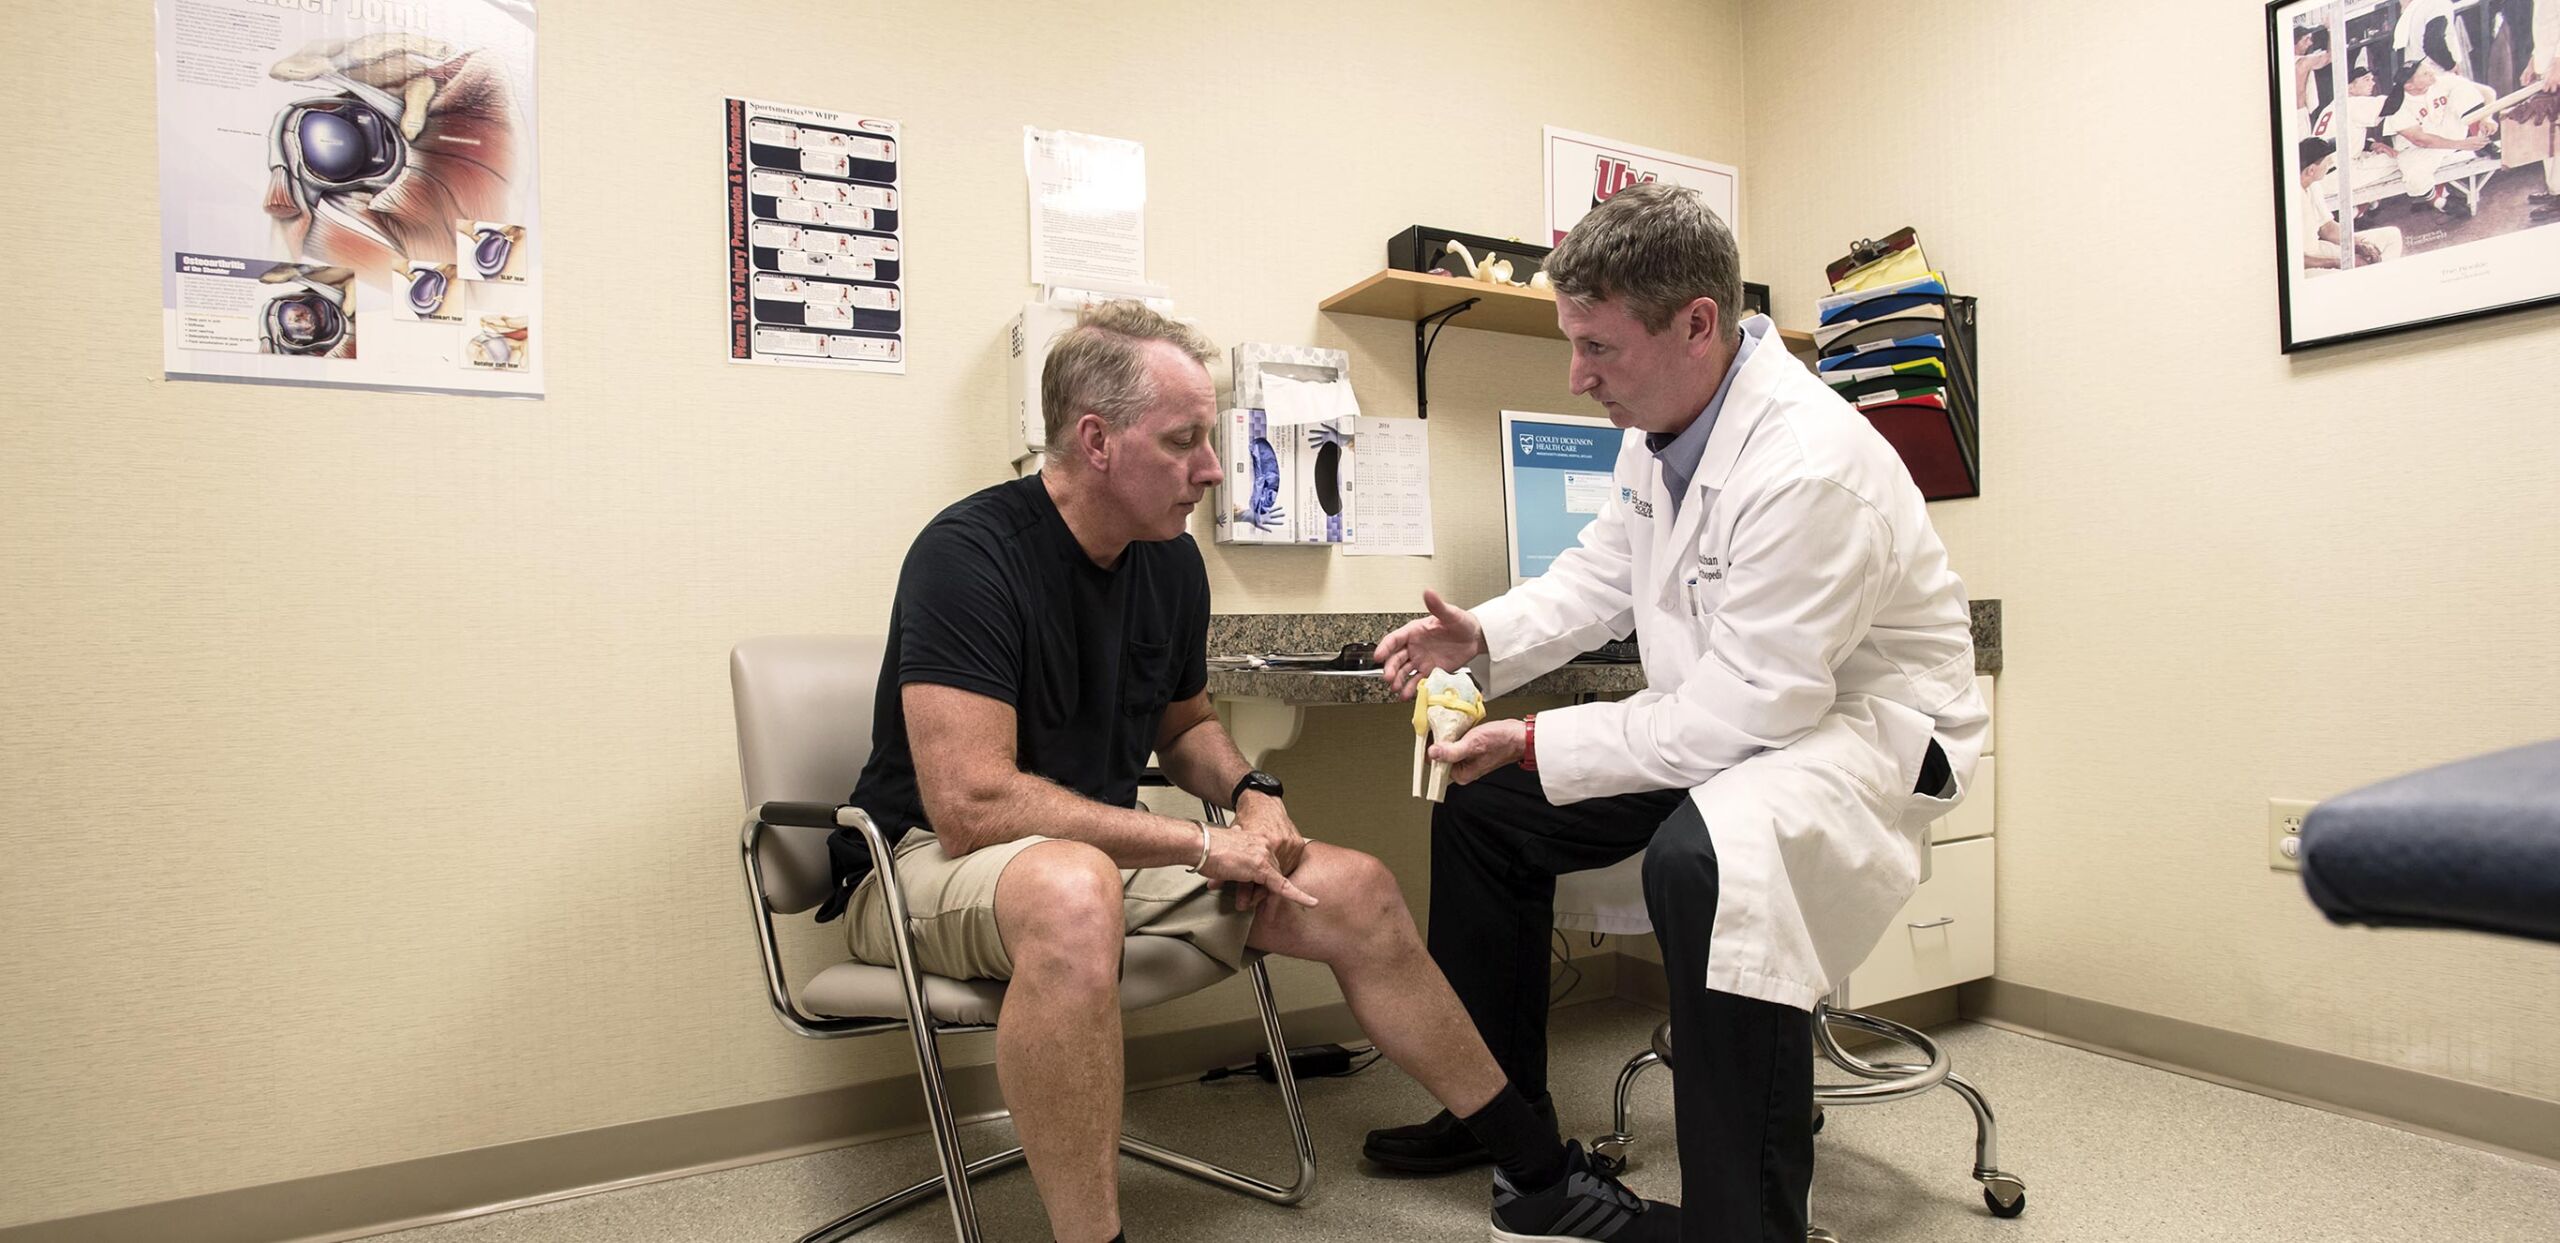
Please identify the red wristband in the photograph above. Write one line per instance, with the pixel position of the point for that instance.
(1529, 744)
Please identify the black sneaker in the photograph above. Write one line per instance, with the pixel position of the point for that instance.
(1584, 1205)
(1443, 1145)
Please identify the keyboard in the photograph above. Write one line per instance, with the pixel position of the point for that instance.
(1350, 658)
(1613, 652)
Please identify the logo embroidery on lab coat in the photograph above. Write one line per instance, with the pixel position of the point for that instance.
(1643, 508)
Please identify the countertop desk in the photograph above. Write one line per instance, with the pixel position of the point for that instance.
(1264, 710)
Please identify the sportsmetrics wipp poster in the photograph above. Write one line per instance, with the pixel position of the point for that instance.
(348, 194)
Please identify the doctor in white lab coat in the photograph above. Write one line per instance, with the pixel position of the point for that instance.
(1809, 709)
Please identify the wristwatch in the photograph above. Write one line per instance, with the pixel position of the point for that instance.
(1257, 781)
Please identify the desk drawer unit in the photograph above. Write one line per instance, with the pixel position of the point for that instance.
(1941, 938)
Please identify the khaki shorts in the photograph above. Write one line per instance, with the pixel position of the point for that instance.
(951, 905)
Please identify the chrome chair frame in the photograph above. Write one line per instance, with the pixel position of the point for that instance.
(957, 1168)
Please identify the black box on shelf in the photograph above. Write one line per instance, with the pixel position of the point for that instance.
(1421, 249)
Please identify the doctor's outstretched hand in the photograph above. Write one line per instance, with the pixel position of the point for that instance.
(1446, 639)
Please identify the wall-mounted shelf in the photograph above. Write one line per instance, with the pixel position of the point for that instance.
(1435, 301)
(1417, 296)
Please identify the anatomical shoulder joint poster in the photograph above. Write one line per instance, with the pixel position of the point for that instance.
(348, 194)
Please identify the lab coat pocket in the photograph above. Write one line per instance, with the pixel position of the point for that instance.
(1926, 809)
(1907, 734)
(1702, 597)
(1706, 588)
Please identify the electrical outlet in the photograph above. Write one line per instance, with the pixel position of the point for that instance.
(2284, 832)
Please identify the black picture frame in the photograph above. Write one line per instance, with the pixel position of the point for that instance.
(2443, 248)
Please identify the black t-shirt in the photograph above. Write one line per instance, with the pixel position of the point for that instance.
(997, 598)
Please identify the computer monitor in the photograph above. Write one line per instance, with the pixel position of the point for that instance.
(1557, 471)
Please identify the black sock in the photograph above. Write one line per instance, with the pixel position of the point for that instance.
(1523, 1142)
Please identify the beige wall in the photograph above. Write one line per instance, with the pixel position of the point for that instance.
(369, 790)
(365, 783)
(2227, 575)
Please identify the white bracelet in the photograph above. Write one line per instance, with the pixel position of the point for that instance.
(1194, 869)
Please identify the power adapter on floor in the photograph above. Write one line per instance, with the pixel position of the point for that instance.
(1310, 1061)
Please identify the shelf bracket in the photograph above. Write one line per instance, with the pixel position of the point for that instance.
(1422, 353)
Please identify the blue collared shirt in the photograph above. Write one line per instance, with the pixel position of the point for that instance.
(1679, 454)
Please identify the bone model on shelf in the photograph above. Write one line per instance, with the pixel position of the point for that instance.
(1492, 271)
(1445, 707)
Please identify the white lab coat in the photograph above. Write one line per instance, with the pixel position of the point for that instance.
(2546, 38)
(1803, 640)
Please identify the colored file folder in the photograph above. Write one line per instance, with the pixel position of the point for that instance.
(1888, 353)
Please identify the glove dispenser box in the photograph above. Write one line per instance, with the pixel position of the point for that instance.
(1287, 446)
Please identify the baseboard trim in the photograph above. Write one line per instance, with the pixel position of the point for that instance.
(403, 1195)
(2506, 1123)
(354, 1204)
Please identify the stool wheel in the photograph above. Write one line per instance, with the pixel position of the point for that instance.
(2004, 1195)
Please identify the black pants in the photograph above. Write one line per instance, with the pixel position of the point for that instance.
(1742, 1069)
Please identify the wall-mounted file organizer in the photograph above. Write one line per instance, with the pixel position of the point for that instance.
(1904, 353)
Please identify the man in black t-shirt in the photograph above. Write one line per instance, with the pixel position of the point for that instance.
(1047, 635)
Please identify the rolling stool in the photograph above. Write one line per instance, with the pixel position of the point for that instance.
(1611, 900)
(2005, 1194)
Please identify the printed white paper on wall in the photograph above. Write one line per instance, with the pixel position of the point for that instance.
(1394, 501)
(1088, 208)
(816, 256)
(348, 194)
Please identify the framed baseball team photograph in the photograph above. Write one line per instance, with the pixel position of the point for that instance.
(2416, 177)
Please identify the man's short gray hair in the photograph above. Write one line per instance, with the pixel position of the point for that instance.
(1652, 248)
(1100, 366)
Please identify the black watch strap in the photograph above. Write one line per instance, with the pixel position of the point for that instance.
(1253, 779)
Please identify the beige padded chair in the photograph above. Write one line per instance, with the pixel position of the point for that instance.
(1611, 900)
(804, 730)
